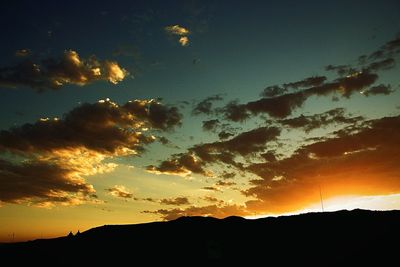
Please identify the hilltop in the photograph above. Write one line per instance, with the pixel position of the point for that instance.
(329, 238)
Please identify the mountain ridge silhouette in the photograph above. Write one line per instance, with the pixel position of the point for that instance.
(328, 238)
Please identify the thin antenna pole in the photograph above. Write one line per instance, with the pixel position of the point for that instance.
(320, 195)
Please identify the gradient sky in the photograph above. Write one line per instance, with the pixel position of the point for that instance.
(135, 111)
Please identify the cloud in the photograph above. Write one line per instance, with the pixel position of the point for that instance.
(225, 135)
(213, 200)
(22, 52)
(119, 191)
(379, 89)
(217, 211)
(184, 41)
(175, 201)
(211, 188)
(224, 183)
(272, 91)
(179, 31)
(43, 183)
(356, 161)
(341, 70)
(385, 64)
(78, 144)
(210, 125)
(307, 82)
(205, 106)
(198, 156)
(317, 121)
(179, 164)
(54, 73)
(104, 127)
(389, 49)
(282, 106)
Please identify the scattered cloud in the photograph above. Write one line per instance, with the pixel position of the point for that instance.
(119, 191)
(54, 73)
(318, 121)
(198, 156)
(282, 106)
(184, 41)
(210, 125)
(175, 201)
(211, 188)
(224, 183)
(272, 91)
(381, 89)
(205, 106)
(361, 161)
(307, 82)
(180, 31)
(75, 146)
(177, 30)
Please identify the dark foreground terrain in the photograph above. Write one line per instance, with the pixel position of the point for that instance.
(325, 239)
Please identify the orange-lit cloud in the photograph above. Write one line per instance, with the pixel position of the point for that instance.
(119, 191)
(54, 156)
(179, 31)
(217, 211)
(364, 162)
(54, 73)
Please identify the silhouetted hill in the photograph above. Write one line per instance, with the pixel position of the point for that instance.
(323, 239)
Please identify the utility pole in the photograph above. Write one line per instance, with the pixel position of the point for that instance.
(320, 196)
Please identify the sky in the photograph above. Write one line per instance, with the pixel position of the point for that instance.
(140, 111)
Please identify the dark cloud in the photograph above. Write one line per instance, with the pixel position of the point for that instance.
(205, 106)
(385, 64)
(269, 156)
(54, 73)
(213, 199)
(317, 121)
(387, 50)
(224, 183)
(53, 156)
(163, 140)
(210, 125)
(175, 201)
(217, 211)
(272, 91)
(42, 183)
(341, 70)
(212, 188)
(179, 164)
(227, 175)
(119, 191)
(104, 127)
(283, 105)
(379, 89)
(244, 144)
(307, 82)
(361, 161)
(225, 135)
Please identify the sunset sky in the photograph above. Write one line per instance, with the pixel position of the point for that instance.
(136, 111)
